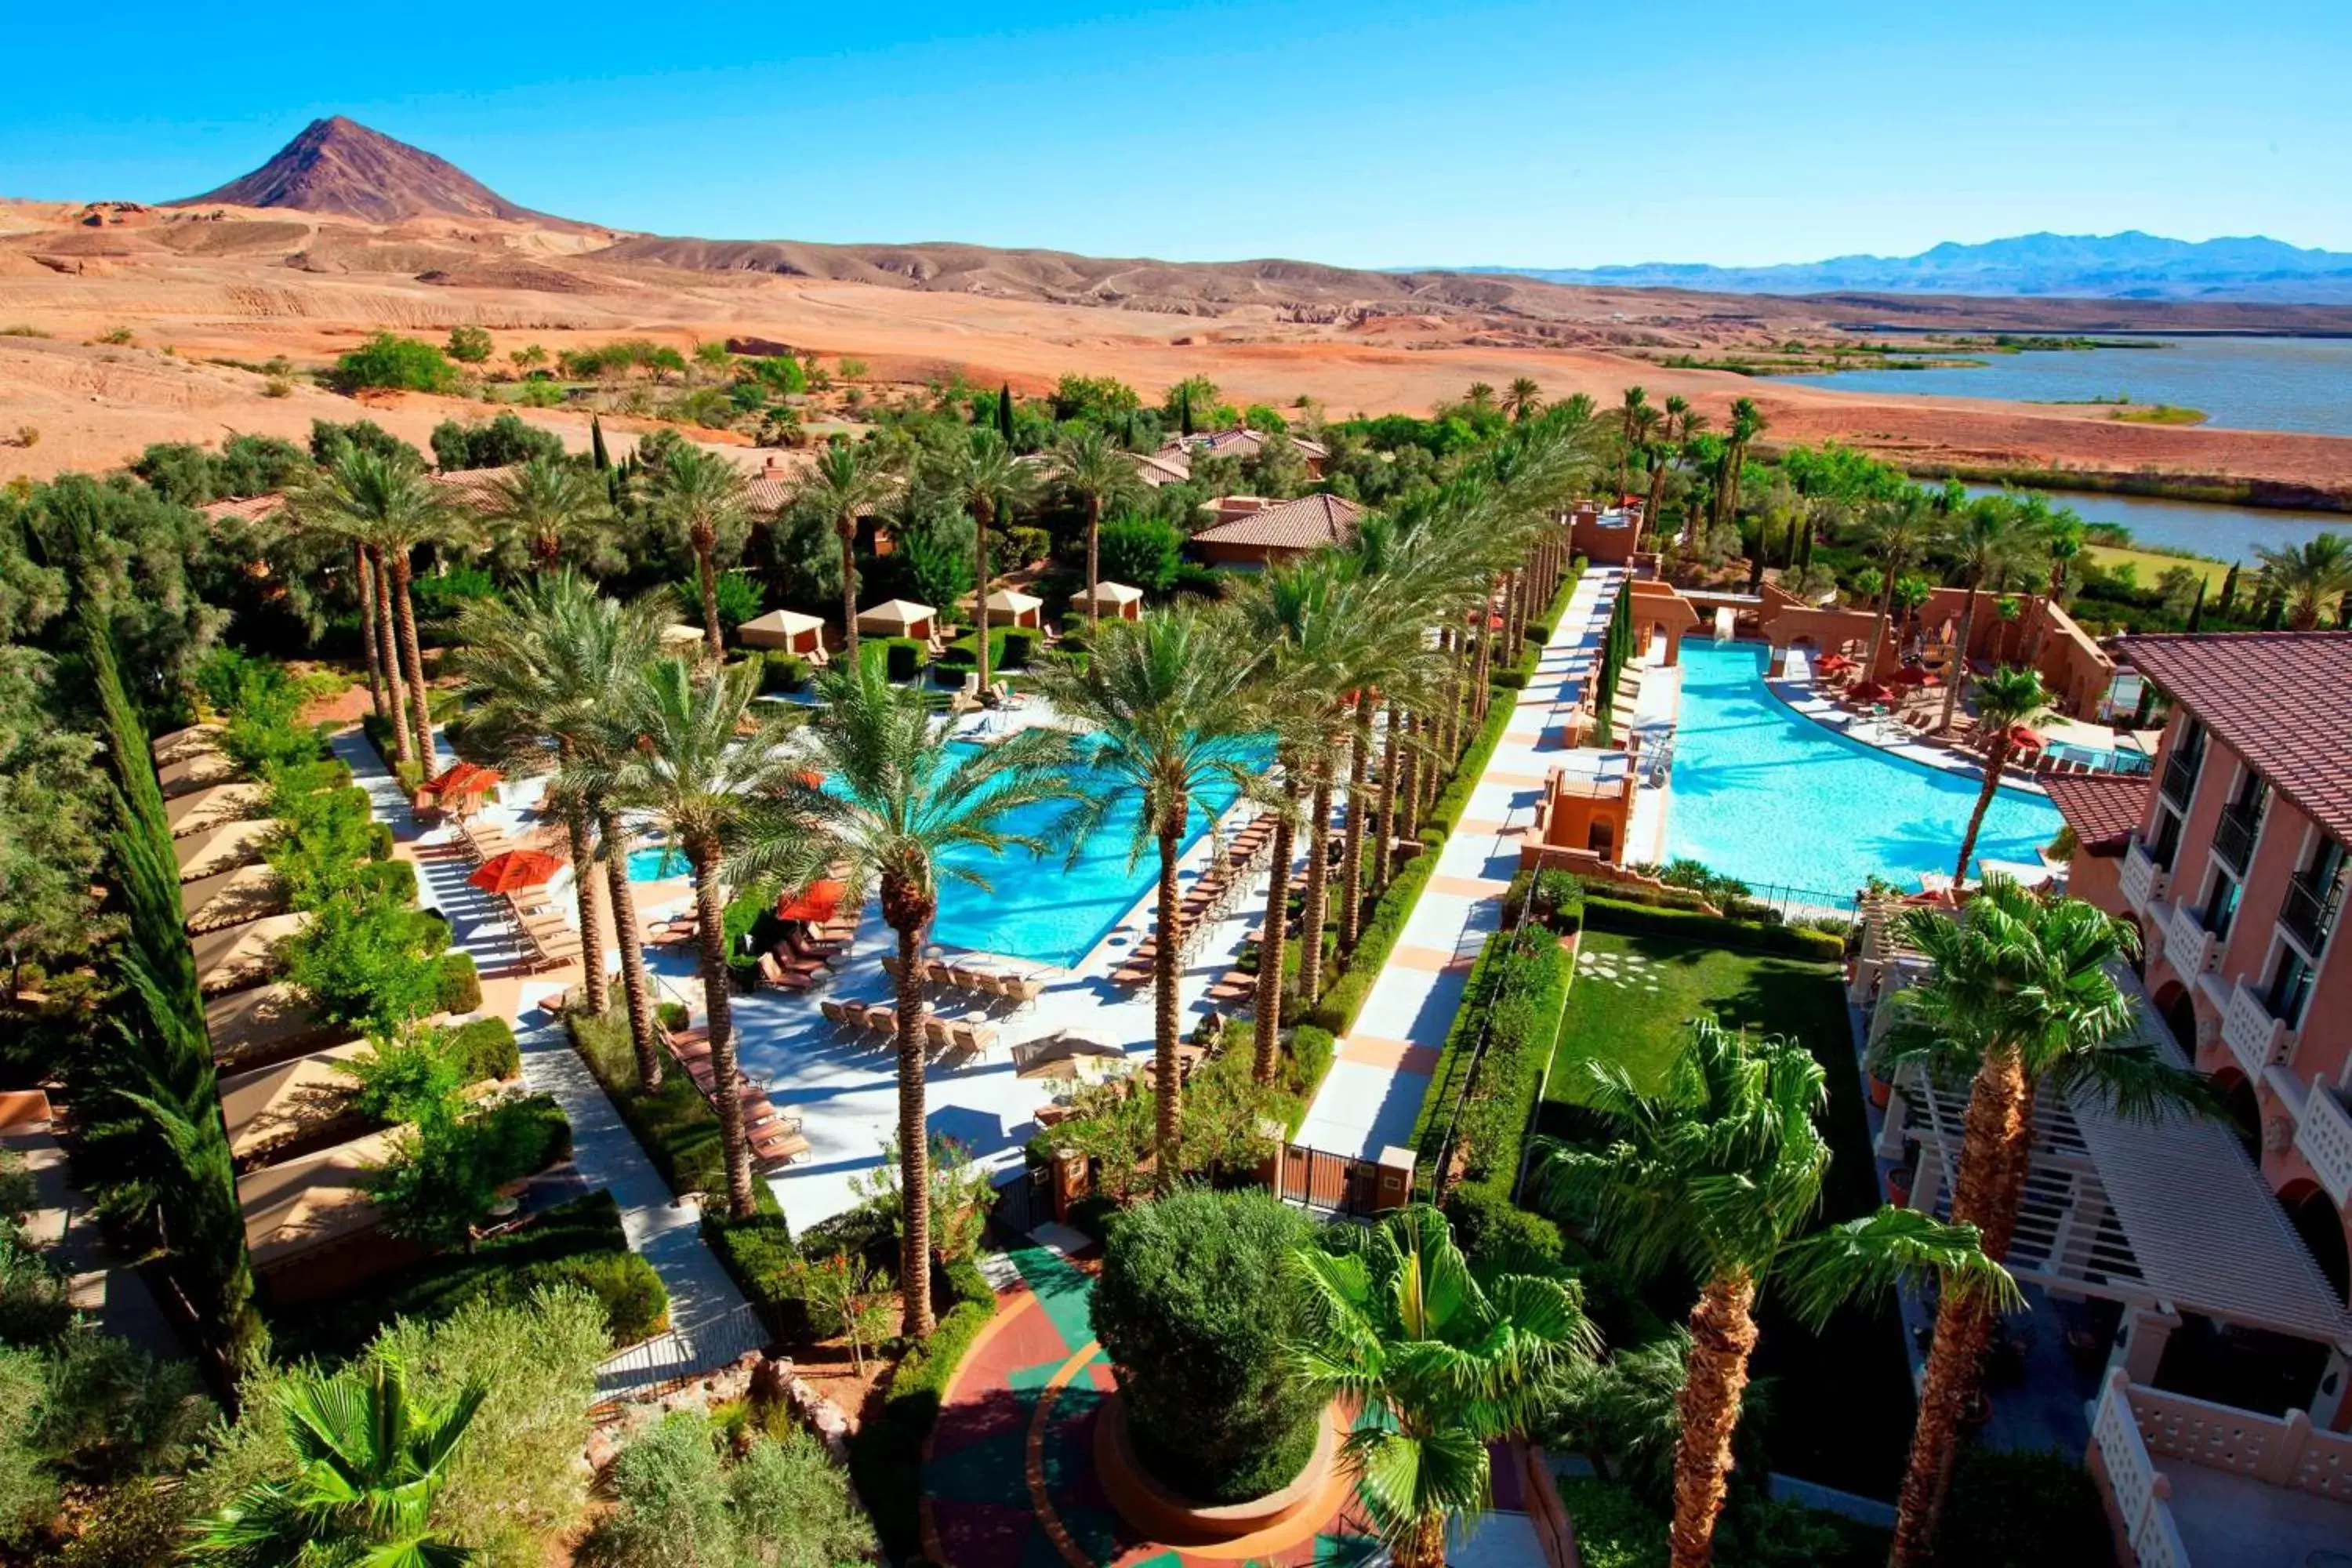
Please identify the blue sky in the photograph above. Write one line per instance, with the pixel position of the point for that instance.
(1366, 134)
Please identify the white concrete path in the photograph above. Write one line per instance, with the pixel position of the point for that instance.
(1369, 1100)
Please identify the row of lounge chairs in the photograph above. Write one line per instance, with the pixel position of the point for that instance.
(774, 1135)
(799, 960)
(1214, 896)
(1019, 990)
(947, 1041)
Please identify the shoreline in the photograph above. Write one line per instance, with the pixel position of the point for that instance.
(2208, 490)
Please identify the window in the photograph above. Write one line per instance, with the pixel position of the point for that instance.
(2290, 988)
(2221, 908)
(2167, 838)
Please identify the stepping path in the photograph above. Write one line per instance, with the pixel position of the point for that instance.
(1372, 1094)
(1008, 1475)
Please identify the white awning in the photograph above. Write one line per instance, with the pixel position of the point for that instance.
(778, 629)
(894, 618)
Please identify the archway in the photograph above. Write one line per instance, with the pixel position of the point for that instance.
(2174, 1006)
(2312, 1214)
(1602, 840)
(2237, 1091)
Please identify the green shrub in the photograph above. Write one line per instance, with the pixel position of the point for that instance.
(457, 987)
(1140, 551)
(629, 1290)
(1194, 1305)
(1612, 914)
(2023, 1509)
(484, 1048)
(784, 672)
(1445, 814)
(675, 1125)
(904, 657)
(1339, 1004)
(404, 365)
(1491, 1228)
(760, 1254)
(1204, 582)
(886, 1457)
(1614, 1527)
(1020, 647)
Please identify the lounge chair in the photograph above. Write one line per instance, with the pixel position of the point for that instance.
(836, 1013)
(818, 659)
(783, 979)
(935, 1033)
(1004, 696)
(936, 972)
(881, 1020)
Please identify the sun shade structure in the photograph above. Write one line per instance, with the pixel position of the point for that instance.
(820, 902)
(898, 618)
(1010, 607)
(678, 636)
(1115, 599)
(1057, 1055)
(1867, 691)
(222, 849)
(465, 779)
(235, 957)
(2145, 1213)
(231, 898)
(267, 1021)
(292, 1102)
(788, 630)
(199, 809)
(200, 770)
(514, 869)
(181, 745)
(296, 1209)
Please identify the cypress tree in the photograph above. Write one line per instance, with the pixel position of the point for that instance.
(1184, 409)
(1805, 547)
(1004, 412)
(2197, 610)
(2229, 590)
(2276, 615)
(596, 452)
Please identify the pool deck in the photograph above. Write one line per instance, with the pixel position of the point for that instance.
(1372, 1095)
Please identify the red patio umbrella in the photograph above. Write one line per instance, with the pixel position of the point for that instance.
(1909, 675)
(514, 869)
(2024, 739)
(464, 778)
(818, 901)
(1836, 664)
(1867, 691)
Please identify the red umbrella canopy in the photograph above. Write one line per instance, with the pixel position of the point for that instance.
(2023, 737)
(464, 778)
(514, 869)
(1833, 664)
(1909, 675)
(818, 901)
(1868, 691)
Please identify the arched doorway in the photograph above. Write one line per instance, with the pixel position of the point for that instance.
(1602, 840)
(2179, 1014)
(2312, 1214)
(2237, 1091)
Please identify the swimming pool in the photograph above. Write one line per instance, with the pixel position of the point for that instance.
(655, 862)
(2100, 760)
(1764, 794)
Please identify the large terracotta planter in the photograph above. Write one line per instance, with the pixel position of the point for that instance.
(1162, 1514)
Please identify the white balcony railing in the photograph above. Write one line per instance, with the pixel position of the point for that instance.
(2189, 947)
(2140, 1491)
(2324, 1137)
(2142, 880)
(2254, 1037)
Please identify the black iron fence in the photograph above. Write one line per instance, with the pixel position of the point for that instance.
(1333, 1183)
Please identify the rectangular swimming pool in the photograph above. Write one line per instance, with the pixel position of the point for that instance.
(1763, 794)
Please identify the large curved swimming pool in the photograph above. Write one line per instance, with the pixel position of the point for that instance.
(1762, 793)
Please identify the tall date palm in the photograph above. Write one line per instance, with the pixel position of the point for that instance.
(702, 500)
(847, 481)
(1092, 466)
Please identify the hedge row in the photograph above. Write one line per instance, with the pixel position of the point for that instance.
(1440, 820)
(1517, 993)
(1612, 914)
(1428, 1126)
(886, 1457)
(1339, 1004)
(675, 1125)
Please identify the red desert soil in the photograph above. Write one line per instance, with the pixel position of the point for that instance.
(225, 283)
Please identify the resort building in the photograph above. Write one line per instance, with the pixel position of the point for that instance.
(2081, 677)
(1241, 441)
(1252, 530)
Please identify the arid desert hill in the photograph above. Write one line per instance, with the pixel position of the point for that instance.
(205, 287)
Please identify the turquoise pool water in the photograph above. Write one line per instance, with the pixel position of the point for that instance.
(1774, 799)
(2114, 762)
(655, 862)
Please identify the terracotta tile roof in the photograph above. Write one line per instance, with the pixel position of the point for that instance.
(1171, 467)
(2280, 699)
(1308, 524)
(249, 508)
(2102, 808)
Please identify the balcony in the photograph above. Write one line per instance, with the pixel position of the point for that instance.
(2324, 1137)
(2234, 837)
(2189, 947)
(2254, 1037)
(2180, 777)
(2144, 881)
(2309, 911)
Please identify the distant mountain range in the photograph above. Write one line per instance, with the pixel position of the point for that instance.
(2126, 265)
(340, 167)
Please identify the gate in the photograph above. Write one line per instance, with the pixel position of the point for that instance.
(1024, 1203)
(1334, 1183)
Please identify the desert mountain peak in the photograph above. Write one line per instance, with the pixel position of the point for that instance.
(340, 167)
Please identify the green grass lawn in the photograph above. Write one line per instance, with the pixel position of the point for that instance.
(1842, 1406)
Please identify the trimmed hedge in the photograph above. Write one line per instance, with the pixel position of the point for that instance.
(760, 1253)
(886, 1457)
(485, 1048)
(1339, 1004)
(904, 657)
(784, 672)
(459, 984)
(1443, 816)
(1517, 992)
(1454, 1056)
(1696, 925)
(675, 1125)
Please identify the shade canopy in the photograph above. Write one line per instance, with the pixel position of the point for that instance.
(1834, 664)
(1909, 675)
(289, 1102)
(465, 779)
(1010, 607)
(2023, 737)
(234, 957)
(316, 1200)
(1867, 691)
(222, 849)
(680, 635)
(818, 901)
(1111, 599)
(199, 809)
(514, 869)
(897, 618)
(786, 629)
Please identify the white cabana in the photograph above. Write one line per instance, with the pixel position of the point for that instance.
(898, 618)
(234, 957)
(788, 630)
(1116, 600)
(678, 635)
(1010, 607)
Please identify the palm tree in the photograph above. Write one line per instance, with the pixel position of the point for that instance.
(848, 481)
(702, 499)
(989, 481)
(1174, 703)
(901, 803)
(1718, 1169)
(1747, 422)
(2004, 699)
(1635, 416)
(386, 505)
(1091, 465)
(1990, 537)
(550, 662)
(2309, 577)
(385, 705)
(1442, 1364)
(1895, 533)
(369, 1462)
(2020, 992)
(1681, 423)
(687, 748)
(1523, 399)
(545, 507)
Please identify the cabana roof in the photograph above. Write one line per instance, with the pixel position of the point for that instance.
(1110, 595)
(777, 628)
(313, 1202)
(894, 617)
(1014, 600)
(234, 957)
(231, 898)
(221, 849)
(181, 744)
(211, 806)
(678, 634)
(198, 769)
(273, 1105)
(2145, 1211)
(247, 1024)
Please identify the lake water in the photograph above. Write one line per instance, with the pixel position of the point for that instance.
(2244, 384)
(2224, 532)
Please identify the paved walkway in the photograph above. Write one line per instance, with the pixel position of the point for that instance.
(1009, 1478)
(63, 1226)
(1373, 1092)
